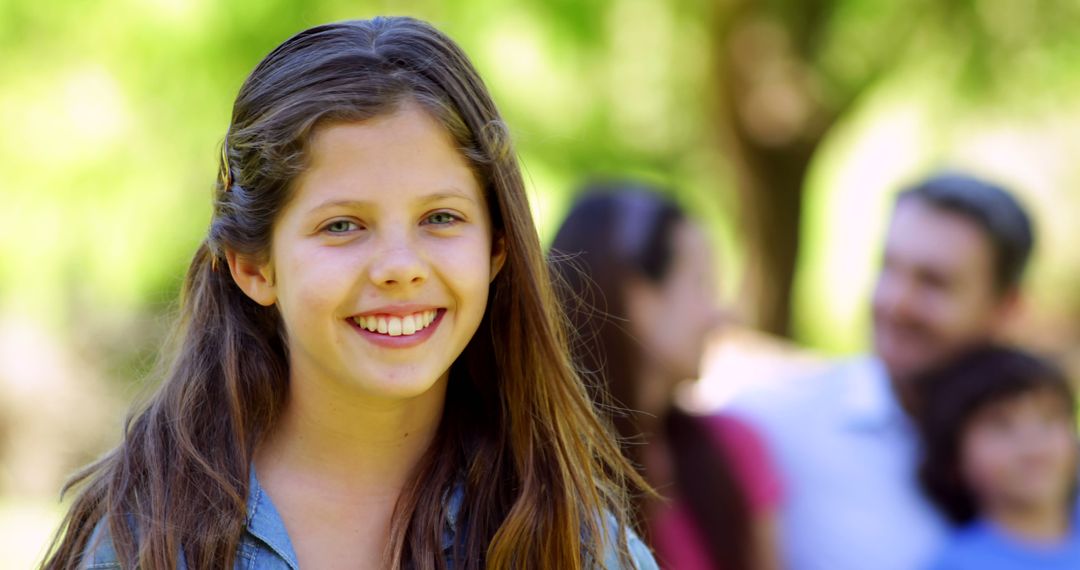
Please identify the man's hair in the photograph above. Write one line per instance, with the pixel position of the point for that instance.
(995, 210)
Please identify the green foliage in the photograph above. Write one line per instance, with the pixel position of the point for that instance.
(113, 109)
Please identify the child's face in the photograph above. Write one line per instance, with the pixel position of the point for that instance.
(387, 229)
(1021, 452)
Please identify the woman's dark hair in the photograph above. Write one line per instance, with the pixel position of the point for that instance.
(544, 481)
(951, 396)
(616, 232)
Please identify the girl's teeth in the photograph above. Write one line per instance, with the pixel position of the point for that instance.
(394, 326)
(397, 326)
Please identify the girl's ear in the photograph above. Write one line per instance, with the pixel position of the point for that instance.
(254, 279)
(498, 255)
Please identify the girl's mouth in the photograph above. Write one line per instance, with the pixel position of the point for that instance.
(398, 331)
(393, 325)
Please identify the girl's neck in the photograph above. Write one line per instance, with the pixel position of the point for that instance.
(1046, 524)
(655, 397)
(655, 394)
(360, 444)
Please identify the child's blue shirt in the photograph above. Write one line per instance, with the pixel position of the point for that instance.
(985, 546)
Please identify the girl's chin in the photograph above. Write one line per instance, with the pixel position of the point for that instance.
(396, 387)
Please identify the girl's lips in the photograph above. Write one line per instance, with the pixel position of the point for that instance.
(401, 340)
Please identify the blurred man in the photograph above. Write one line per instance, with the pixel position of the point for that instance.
(954, 256)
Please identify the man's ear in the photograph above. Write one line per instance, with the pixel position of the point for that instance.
(498, 254)
(1010, 307)
(255, 279)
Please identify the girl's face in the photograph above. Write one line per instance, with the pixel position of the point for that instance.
(672, 319)
(1021, 452)
(381, 261)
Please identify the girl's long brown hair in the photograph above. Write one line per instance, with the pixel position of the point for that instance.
(544, 482)
(615, 232)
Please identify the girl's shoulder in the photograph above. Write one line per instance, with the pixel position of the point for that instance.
(750, 458)
(100, 554)
(969, 547)
(640, 554)
(983, 545)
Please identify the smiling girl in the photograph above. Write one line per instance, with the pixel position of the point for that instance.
(371, 371)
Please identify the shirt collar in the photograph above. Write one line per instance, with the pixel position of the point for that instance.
(867, 399)
(264, 522)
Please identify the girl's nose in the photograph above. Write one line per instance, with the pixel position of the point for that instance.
(398, 264)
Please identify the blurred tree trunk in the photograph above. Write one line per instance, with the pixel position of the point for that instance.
(772, 119)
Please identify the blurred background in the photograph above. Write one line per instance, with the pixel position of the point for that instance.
(785, 125)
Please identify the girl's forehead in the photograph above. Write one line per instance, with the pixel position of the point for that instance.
(1036, 399)
(393, 157)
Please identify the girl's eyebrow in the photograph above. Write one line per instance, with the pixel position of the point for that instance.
(363, 204)
(446, 194)
(350, 204)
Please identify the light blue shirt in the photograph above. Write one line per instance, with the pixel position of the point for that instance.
(848, 455)
(983, 546)
(265, 543)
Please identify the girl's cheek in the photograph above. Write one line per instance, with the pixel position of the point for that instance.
(468, 258)
(1067, 448)
(983, 462)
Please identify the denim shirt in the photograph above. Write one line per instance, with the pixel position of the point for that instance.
(265, 543)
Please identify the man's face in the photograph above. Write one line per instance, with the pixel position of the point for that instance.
(935, 295)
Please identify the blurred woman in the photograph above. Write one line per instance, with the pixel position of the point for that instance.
(1000, 460)
(639, 287)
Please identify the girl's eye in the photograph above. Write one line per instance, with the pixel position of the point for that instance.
(340, 226)
(442, 219)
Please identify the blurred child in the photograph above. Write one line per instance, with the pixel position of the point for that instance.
(1000, 461)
